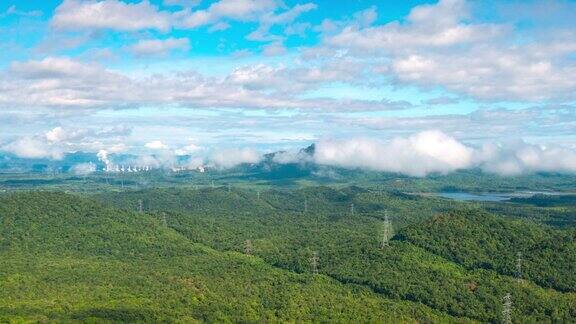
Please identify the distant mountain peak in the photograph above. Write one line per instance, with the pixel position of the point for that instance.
(310, 150)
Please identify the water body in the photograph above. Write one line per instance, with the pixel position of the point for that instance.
(464, 196)
(491, 196)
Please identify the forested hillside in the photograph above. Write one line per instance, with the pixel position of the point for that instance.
(483, 241)
(344, 227)
(66, 258)
(554, 210)
(348, 201)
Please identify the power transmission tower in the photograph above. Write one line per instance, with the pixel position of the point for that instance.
(258, 194)
(164, 220)
(352, 209)
(519, 267)
(314, 260)
(140, 206)
(507, 311)
(248, 248)
(386, 231)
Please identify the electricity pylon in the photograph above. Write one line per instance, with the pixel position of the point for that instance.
(519, 267)
(314, 261)
(248, 248)
(386, 231)
(507, 309)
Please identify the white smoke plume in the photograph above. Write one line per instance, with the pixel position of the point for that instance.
(83, 168)
(103, 156)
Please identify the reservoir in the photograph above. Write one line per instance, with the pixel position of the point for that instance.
(464, 196)
(491, 196)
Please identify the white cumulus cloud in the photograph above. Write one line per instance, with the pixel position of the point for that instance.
(417, 155)
(188, 149)
(156, 145)
(435, 152)
(443, 45)
(109, 14)
(33, 148)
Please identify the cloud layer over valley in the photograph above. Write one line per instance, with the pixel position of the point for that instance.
(435, 152)
(418, 155)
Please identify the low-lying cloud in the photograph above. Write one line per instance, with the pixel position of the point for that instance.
(436, 152)
(58, 141)
(518, 158)
(417, 155)
(230, 158)
(33, 148)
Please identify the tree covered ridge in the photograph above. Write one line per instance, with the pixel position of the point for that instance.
(65, 258)
(181, 258)
(348, 245)
(479, 240)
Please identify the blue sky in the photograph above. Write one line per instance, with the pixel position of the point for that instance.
(29, 31)
(196, 75)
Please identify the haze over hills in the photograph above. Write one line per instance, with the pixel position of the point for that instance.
(422, 154)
